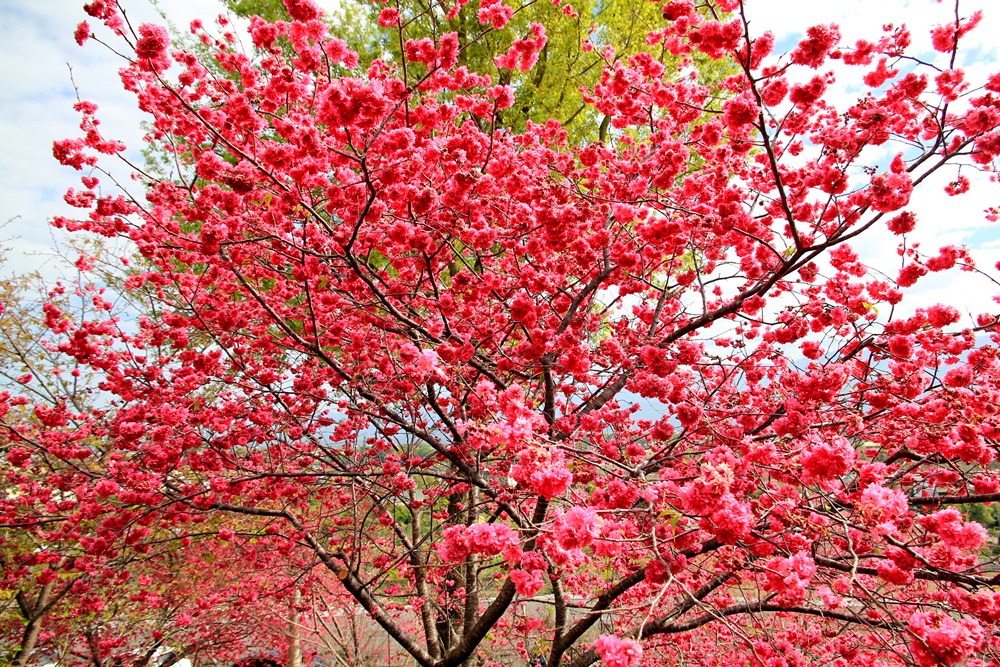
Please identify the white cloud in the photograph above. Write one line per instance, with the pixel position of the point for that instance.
(36, 102)
(863, 19)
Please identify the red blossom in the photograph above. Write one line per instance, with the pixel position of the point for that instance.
(739, 112)
(939, 640)
(903, 223)
(389, 16)
(676, 9)
(617, 652)
(302, 10)
(880, 74)
(789, 578)
(523, 53)
(950, 84)
(774, 92)
(151, 47)
(827, 460)
(959, 186)
(890, 192)
(945, 37)
(82, 33)
(819, 41)
(807, 94)
(495, 13)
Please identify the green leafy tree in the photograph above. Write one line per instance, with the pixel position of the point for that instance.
(578, 49)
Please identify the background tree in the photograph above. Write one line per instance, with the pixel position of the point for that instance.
(582, 38)
(85, 578)
(428, 340)
(38, 494)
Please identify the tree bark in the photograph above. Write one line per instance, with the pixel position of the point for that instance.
(294, 632)
(28, 639)
(33, 615)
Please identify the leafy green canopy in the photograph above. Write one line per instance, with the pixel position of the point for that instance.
(577, 51)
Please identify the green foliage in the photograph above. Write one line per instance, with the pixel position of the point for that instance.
(554, 88)
(269, 10)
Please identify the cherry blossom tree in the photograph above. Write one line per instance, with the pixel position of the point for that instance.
(637, 401)
(83, 578)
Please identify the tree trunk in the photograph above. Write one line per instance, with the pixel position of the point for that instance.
(294, 632)
(33, 615)
(28, 639)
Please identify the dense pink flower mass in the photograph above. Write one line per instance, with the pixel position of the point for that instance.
(739, 111)
(617, 652)
(819, 41)
(151, 47)
(399, 356)
(939, 640)
(789, 578)
(481, 538)
(828, 460)
(580, 527)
